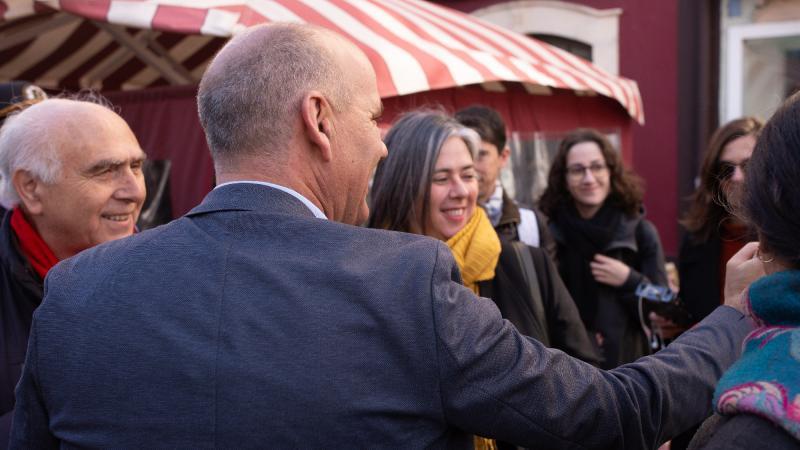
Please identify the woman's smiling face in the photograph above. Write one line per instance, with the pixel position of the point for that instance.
(454, 191)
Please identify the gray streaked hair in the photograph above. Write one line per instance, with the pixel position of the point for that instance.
(252, 102)
(402, 184)
(25, 144)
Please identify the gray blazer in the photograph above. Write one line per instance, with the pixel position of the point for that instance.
(251, 324)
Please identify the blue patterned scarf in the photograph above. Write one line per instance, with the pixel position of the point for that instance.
(766, 380)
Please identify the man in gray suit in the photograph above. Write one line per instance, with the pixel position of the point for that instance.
(264, 318)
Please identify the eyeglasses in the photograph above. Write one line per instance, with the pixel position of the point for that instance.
(726, 169)
(577, 171)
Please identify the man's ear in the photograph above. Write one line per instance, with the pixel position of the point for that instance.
(28, 189)
(317, 116)
(504, 154)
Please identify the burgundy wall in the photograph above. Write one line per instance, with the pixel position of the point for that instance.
(648, 53)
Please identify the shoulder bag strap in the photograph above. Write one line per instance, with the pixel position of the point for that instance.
(525, 260)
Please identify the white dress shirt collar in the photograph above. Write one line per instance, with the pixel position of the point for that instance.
(314, 209)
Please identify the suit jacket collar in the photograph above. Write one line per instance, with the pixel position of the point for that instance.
(510, 212)
(250, 197)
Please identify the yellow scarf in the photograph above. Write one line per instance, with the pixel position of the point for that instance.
(476, 249)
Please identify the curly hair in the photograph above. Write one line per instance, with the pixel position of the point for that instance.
(626, 188)
(708, 206)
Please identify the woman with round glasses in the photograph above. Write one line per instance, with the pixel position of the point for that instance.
(714, 230)
(606, 249)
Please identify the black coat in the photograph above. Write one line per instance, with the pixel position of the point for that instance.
(636, 243)
(510, 292)
(742, 432)
(21, 289)
(698, 269)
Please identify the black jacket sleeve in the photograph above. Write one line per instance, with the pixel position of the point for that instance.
(651, 254)
(651, 264)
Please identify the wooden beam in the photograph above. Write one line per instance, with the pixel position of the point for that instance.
(145, 54)
(34, 29)
(166, 56)
(93, 79)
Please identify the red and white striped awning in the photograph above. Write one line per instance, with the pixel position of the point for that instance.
(414, 45)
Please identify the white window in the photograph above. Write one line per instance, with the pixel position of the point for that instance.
(762, 68)
(596, 28)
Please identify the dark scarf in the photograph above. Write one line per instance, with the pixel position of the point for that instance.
(33, 247)
(584, 238)
(766, 379)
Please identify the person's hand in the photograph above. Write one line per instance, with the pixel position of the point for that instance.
(666, 328)
(609, 270)
(742, 269)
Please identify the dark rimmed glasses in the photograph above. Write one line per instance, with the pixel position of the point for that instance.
(577, 171)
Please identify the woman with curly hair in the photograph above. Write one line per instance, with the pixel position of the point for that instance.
(605, 246)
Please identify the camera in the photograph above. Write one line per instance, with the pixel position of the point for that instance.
(664, 302)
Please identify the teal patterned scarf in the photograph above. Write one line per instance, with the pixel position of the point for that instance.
(766, 380)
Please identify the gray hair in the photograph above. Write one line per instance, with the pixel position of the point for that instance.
(250, 95)
(403, 180)
(24, 147)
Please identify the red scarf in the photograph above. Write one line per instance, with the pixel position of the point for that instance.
(33, 246)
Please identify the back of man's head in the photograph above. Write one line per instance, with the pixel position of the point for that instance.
(251, 90)
(487, 122)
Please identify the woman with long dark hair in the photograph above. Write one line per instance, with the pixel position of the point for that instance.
(714, 233)
(605, 248)
(759, 396)
(428, 185)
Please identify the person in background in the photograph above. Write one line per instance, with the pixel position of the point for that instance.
(606, 248)
(70, 175)
(714, 230)
(509, 219)
(758, 398)
(429, 185)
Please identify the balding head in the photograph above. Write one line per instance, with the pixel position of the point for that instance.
(75, 170)
(250, 95)
(34, 138)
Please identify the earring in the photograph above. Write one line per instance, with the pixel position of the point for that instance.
(761, 256)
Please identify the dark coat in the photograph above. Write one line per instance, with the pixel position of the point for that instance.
(698, 269)
(636, 243)
(249, 323)
(742, 432)
(21, 289)
(510, 292)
